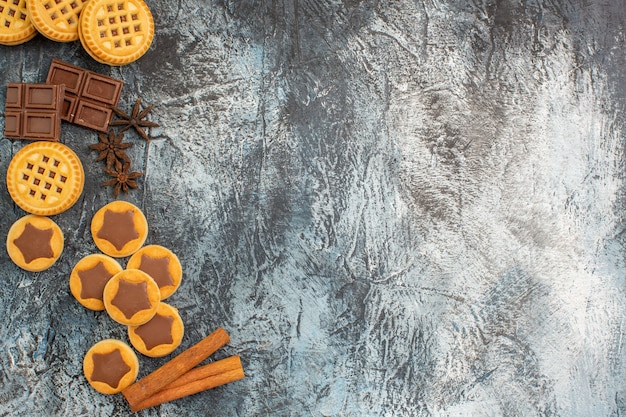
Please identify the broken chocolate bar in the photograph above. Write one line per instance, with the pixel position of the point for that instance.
(33, 111)
(89, 96)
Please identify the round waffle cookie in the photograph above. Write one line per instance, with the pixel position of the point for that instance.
(34, 243)
(45, 178)
(56, 19)
(110, 366)
(116, 32)
(15, 24)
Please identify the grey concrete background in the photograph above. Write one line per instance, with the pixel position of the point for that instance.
(402, 208)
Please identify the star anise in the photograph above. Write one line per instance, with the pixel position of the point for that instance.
(111, 148)
(136, 120)
(122, 179)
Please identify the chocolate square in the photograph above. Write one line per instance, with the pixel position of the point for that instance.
(93, 115)
(89, 97)
(14, 96)
(12, 123)
(41, 125)
(33, 111)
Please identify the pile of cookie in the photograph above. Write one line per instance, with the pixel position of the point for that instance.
(132, 296)
(112, 32)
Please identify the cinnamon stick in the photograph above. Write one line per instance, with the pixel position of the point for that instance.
(214, 368)
(172, 370)
(197, 380)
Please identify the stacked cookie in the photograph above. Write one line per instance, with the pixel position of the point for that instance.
(132, 296)
(113, 33)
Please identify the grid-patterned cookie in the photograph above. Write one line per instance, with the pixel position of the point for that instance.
(116, 32)
(45, 178)
(56, 19)
(15, 24)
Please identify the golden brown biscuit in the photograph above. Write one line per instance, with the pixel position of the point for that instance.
(119, 229)
(34, 243)
(16, 27)
(56, 19)
(161, 335)
(131, 297)
(161, 264)
(116, 33)
(45, 178)
(110, 366)
(89, 277)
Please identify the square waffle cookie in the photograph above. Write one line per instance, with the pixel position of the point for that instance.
(45, 178)
(15, 24)
(116, 32)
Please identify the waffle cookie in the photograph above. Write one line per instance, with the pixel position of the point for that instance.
(131, 297)
(161, 264)
(56, 19)
(89, 277)
(45, 178)
(110, 366)
(161, 335)
(116, 32)
(119, 229)
(15, 24)
(34, 243)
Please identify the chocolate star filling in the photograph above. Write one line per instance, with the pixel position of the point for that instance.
(93, 281)
(157, 331)
(34, 243)
(118, 228)
(109, 368)
(131, 298)
(158, 269)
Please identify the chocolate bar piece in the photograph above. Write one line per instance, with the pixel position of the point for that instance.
(89, 96)
(33, 111)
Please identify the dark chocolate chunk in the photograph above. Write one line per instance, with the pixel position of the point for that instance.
(33, 111)
(89, 96)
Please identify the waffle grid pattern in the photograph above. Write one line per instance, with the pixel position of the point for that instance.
(41, 176)
(45, 178)
(116, 32)
(13, 14)
(16, 26)
(56, 19)
(120, 25)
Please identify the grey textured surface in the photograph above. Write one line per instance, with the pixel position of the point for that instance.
(407, 208)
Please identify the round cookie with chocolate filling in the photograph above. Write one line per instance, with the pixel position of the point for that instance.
(161, 335)
(34, 243)
(89, 277)
(110, 366)
(161, 264)
(131, 297)
(119, 229)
